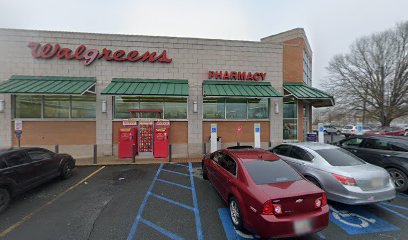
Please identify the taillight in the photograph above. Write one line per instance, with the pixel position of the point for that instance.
(345, 180)
(271, 209)
(267, 208)
(321, 201)
(353, 130)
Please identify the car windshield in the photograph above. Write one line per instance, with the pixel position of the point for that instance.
(339, 157)
(265, 172)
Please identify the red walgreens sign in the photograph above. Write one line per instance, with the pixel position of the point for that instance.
(48, 51)
(233, 75)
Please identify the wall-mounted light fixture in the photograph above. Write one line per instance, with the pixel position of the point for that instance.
(276, 108)
(195, 107)
(2, 105)
(104, 106)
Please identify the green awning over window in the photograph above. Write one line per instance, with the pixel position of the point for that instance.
(316, 97)
(48, 85)
(128, 86)
(213, 88)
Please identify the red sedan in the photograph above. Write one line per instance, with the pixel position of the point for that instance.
(391, 131)
(265, 195)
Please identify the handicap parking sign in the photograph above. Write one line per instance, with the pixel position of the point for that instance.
(213, 130)
(320, 129)
(359, 128)
(257, 130)
(354, 220)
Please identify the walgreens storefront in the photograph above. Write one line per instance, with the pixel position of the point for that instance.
(80, 89)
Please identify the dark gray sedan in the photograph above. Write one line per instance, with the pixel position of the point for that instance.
(343, 176)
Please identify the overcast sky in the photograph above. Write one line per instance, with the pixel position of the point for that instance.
(331, 25)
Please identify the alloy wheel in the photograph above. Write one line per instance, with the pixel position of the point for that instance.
(234, 211)
(398, 178)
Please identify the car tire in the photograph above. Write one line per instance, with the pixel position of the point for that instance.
(66, 170)
(314, 181)
(205, 172)
(235, 213)
(399, 178)
(338, 133)
(5, 199)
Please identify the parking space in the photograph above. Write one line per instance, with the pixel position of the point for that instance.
(164, 202)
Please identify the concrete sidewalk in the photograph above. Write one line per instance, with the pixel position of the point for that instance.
(113, 160)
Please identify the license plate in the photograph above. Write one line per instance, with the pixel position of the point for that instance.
(302, 226)
(376, 182)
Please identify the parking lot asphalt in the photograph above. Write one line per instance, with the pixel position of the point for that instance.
(163, 202)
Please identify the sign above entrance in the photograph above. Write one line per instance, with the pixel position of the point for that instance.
(48, 51)
(234, 75)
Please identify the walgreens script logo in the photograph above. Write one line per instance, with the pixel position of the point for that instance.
(88, 56)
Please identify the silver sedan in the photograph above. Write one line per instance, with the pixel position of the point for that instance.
(345, 177)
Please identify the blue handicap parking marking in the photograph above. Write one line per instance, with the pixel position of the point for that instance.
(354, 220)
(257, 130)
(213, 130)
(320, 129)
(230, 231)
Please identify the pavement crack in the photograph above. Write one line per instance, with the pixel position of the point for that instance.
(105, 204)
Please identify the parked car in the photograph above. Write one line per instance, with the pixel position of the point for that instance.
(331, 129)
(344, 177)
(391, 131)
(389, 152)
(351, 130)
(24, 168)
(265, 195)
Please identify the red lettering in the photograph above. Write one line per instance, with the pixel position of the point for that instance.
(249, 76)
(218, 75)
(118, 55)
(256, 76)
(106, 54)
(163, 57)
(233, 75)
(81, 49)
(241, 75)
(210, 74)
(47, 50)
(90, 56)
(34, 49)
(226, 75)
(132, 56)
(65, 53)
(263, 76)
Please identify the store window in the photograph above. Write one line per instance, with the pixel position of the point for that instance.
(175, 108)
(290, 119)
(56, 106)
(214, 108)
(37, 106)
(171, 107)
(258, 108)
(235, 108)
(27, 106)
(83, 107)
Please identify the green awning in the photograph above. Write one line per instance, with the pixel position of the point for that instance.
(213, 88)
(48, 85)
(316, 97)
(160, 87)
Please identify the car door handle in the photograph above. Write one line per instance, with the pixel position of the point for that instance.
(386, 155)
(303, 164)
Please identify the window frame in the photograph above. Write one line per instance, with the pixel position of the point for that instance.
(26, 158)
(308, 154)
(283, 145)
(45, 151)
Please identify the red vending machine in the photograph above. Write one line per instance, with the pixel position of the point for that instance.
(161, 139)
(146, 138)
(127, 139)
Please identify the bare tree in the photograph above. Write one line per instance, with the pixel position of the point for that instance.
(373, 76)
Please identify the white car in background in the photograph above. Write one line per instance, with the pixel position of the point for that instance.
(349, 130)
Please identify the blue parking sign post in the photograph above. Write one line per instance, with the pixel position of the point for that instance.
(321, 132)
(359, 128)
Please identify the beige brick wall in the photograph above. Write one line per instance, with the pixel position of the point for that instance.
(192, 59)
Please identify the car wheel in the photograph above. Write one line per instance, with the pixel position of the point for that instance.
(399, 178)
(338, 133)
(235, 213)
(66, 171)
(314, 181)
(205, 172)
(5, 199)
